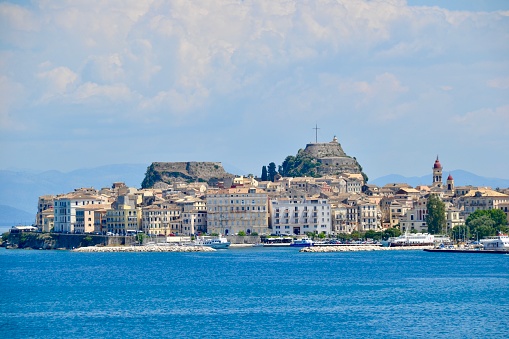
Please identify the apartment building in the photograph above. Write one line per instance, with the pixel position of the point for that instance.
(194, 215)
(232, 210)
(162, 218)
(65, 207)
(300, 216)
(123, 219)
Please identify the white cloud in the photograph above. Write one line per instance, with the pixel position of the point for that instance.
(499, 83)
(90, 91)
(18, 18)
(485, 121)
(347, 62)
(57, 82)
(11, 94)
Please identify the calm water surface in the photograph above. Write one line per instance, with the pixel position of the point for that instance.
(253, 293)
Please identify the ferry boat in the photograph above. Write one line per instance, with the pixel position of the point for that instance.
(412, 239)
(302, 243)
(498, 243)
(216, 243)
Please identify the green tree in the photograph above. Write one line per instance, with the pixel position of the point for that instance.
(372, 234)
(391, 232)
(271, 171)
(241, 233)
(140, 238)
(436, 215)
(489, 221)
(356, 235)
(482, 226)
(264, 173)
(287, 166)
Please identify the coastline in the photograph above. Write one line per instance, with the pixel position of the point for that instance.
(146, 249)
(327, 249)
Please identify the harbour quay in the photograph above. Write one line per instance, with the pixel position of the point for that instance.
(102, 249)
(327, 249)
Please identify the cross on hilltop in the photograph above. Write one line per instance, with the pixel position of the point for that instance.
(316, 133)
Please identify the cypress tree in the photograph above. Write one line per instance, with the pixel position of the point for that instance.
(436, 215)
(264, 173)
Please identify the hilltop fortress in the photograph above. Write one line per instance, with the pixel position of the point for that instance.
(331, 157)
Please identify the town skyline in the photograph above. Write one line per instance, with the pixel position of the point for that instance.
(398, 82)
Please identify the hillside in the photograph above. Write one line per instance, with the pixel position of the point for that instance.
(320, 159)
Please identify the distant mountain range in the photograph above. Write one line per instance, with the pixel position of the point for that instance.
(461, 178)
(20, 189)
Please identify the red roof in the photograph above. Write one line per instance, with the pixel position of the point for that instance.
(437, 164)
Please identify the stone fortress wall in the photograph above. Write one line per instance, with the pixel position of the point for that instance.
(332, 157)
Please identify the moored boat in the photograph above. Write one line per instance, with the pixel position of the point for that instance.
(498, 243)
(302, 243)
(216, 243)
(412, 239)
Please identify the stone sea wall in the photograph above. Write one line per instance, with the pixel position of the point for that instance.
(174, 248)
(326, 249)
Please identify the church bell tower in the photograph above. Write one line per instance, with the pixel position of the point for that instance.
(437, 174)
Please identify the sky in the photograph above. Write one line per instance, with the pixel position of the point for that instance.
(87, 83)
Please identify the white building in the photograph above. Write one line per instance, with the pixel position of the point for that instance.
(65, 208)
(300, 216)
(194, 215)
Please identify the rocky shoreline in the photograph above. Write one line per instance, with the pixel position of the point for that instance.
(327, 249)
(102, 249)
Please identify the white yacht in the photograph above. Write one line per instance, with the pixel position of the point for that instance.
(498, 243)
(412, 239)
(216, 243)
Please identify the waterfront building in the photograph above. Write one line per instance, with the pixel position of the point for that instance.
(481, 199)
(48, 220)
(414, 218)
(232, 210)
(123, 219)
(342, 218)
(65, 207)
(194, 215)
(300, 216)
(162, 218)
(45, 203)
(89, 218)
(369, 216)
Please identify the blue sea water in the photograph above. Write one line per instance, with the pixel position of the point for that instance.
(253, 293)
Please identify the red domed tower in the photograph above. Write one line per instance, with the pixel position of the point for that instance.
(450, 183)
(437, 174)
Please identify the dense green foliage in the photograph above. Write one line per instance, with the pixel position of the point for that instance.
(436, 215)
(391, 232)
(299, 166)
(241, 233)
(140, 237)
(485, 223)
(303, 165)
